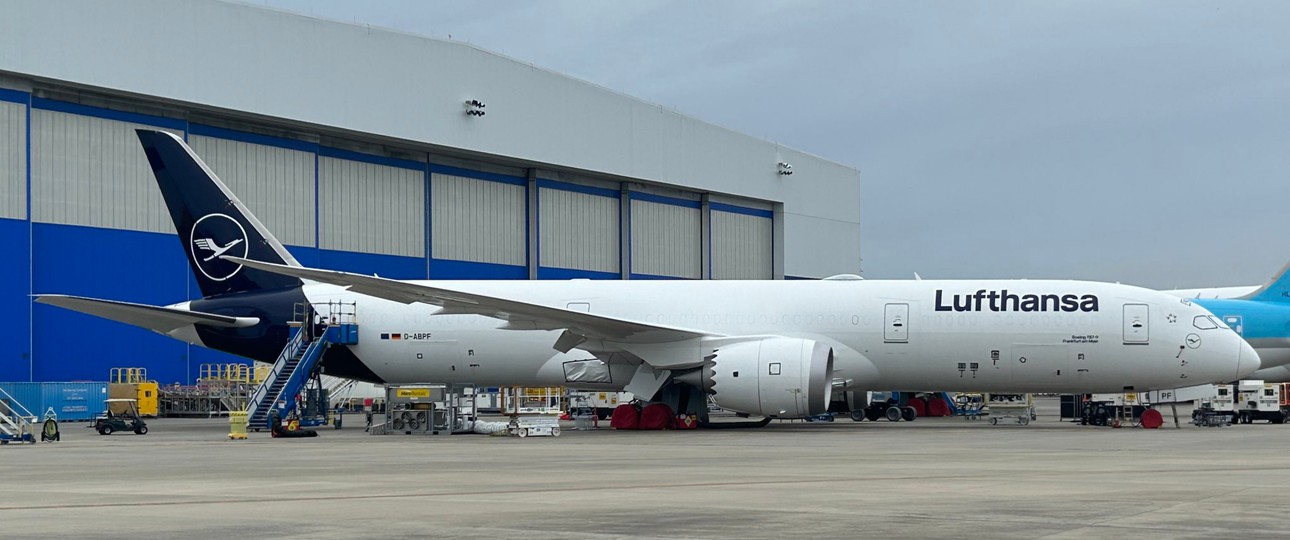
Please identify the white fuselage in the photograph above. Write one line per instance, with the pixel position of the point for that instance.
(1093, 337)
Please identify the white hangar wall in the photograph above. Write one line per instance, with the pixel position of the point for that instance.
(407, 88)
(352, 145)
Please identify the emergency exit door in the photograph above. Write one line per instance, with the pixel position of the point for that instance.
(1136, 324)
(896, 324)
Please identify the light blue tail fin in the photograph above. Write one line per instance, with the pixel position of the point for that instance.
(1276, 290)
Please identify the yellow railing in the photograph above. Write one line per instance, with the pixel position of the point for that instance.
(234, 373)
(130, 375)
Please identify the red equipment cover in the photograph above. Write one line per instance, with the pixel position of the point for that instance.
(656, 416)
(625, 416)
(1151, 419)
(919, 406)
(938, 407)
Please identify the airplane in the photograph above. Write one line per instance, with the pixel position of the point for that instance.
(1260, 314)
(776, 349)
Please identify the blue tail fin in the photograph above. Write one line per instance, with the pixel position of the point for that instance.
(1276, 290)
(211, 221)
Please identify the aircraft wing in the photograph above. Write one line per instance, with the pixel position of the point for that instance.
(156, 318)
(579, 326)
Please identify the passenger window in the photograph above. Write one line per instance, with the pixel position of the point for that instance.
(1204, 323)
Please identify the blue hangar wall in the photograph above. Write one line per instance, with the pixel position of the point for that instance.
(80, 214)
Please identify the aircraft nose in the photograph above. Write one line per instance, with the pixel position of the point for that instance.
(1247, 360)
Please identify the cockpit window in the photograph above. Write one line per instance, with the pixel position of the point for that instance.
(1203, 322)
(1219, 322)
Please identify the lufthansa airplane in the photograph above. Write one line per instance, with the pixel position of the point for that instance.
(767, 348)
(1259, 314)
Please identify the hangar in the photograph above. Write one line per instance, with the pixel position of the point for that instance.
(366, 150)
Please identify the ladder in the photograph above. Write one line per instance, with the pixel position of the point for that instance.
(296, 365)
(16, 422)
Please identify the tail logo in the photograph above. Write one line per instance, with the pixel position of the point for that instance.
(212, 236)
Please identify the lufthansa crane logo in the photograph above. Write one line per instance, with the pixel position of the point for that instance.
(212, 236)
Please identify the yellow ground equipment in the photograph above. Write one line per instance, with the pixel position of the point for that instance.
(237, 425)
(133, 383)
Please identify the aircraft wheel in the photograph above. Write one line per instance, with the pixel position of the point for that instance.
(909, 414)
(893, 414)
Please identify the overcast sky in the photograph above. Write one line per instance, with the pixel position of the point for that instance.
(1141, 142)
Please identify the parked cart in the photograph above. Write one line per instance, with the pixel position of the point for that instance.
(969, 405)
(1019, 408)
(538, 426)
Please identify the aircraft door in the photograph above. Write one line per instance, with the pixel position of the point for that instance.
(584, 307)
(896, 324)
(1041, 366)
(1136, 329)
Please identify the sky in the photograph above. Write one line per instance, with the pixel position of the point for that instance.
(1139, 142)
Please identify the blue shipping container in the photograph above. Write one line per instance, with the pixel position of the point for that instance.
(70, 400)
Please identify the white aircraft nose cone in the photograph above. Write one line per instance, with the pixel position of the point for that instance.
(1247, 361)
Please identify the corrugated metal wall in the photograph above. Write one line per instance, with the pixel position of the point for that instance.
(578, 230)
(277, 184)
(91, 171)
(13, 160)
(742, 246)
(477, 220)
(88, 172)
(666, 240)
(370, 208)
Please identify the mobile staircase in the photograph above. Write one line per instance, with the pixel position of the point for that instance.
(16, 422)
(297, 371)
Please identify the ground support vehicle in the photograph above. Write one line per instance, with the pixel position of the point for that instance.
(120, 415)
(536, 426)
(1006, 408)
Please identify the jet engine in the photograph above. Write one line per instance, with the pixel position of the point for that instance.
(768, 376)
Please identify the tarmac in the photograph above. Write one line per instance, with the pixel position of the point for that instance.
(934, 477)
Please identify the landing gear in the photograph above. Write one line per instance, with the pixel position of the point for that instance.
(908, 414)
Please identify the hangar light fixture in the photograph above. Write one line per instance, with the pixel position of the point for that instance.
(474, 107)
(785, 169)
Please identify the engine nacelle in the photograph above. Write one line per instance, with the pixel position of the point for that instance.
(771, 376)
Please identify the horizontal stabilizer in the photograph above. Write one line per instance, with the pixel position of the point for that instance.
(156, 318)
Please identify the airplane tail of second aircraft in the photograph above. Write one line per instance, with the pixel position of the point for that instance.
(212, 222)
(1275, 290)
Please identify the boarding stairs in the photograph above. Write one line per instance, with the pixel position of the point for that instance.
(16, 422)
(298, 363)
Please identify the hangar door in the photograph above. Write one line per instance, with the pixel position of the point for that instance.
(578, 231)
(742, 245)
(371, 208)
(13, 160)
(665, 238)
(275, 183)
(91, 171)
(478, 220)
